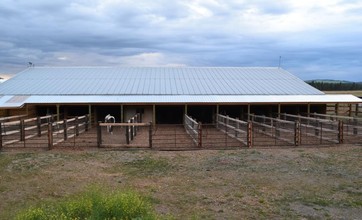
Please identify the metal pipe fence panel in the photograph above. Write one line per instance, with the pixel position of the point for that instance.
(233, 128)
(269, 131)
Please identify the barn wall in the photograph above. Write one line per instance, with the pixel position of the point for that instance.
(30, 111)
(130, 111)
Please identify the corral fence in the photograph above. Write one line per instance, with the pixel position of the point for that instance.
(132, 133)
(316, 131)
(352, 126)
(235, 128)
(268, 131)
(259, 130)
(177, 136)
(40, 132)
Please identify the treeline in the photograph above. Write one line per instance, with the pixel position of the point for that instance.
(335, 86)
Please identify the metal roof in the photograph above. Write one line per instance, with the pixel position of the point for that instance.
(182, 99)
(155, 81)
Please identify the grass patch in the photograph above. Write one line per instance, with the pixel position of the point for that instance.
(94, 204)
(147, 166)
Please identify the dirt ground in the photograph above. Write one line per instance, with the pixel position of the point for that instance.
(261, 183)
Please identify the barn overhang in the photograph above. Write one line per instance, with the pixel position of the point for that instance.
(19, 101)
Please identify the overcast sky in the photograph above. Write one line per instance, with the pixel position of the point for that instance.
(316, 39)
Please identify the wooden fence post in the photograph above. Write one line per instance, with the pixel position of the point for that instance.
(65, 129)
(22, 130)
(76, 126)
(38, 125)
(50, 135)
(127, 133)
(297, 133)
(99, 134)
(250, 134)
(150, 135)
(340, 132)
(1, 135)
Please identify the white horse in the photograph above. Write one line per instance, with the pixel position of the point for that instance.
(109, 119)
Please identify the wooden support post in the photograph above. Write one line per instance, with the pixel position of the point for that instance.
(217, 112)
(279, 110)
(248, 111)
(99, 134)
(65, 129)
(308, 110)
(38, 125)
(58, 113)
(150, 135)
(336, 108)
(1, 135)
(250, 134)
(50, 135)
(200, 135)
(89, 119)
(122, 117)
(297, 133)
(154, 115)
(350, 110)
(340, 132)
(357, 109)
(87, 122)
(76, 126)
(264, 120)
(185, 110)
(22, 130)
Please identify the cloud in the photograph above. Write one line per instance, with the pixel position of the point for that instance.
(314, 38)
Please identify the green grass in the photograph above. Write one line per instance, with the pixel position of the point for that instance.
(93, 204)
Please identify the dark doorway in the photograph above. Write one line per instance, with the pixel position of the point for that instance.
(113, 110)
(169, 114)
(234, 111)
(73, 111)
(48, 110)
(320, 109)
(203, 114)
(267, 110)
(294, 109)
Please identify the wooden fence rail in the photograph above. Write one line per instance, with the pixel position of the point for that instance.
(24, 130)
(193, 128)
(235, 128)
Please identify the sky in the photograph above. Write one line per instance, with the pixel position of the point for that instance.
(315, 39)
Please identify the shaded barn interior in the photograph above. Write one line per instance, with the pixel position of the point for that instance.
(169, 114)
(202, 113)
(102, 111)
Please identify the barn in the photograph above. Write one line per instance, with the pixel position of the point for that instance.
(170, 95)
(162, 94)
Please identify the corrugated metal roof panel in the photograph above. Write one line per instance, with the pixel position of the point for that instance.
(156, 81)
(184, 99)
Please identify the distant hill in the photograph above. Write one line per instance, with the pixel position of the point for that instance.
(334, 85)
